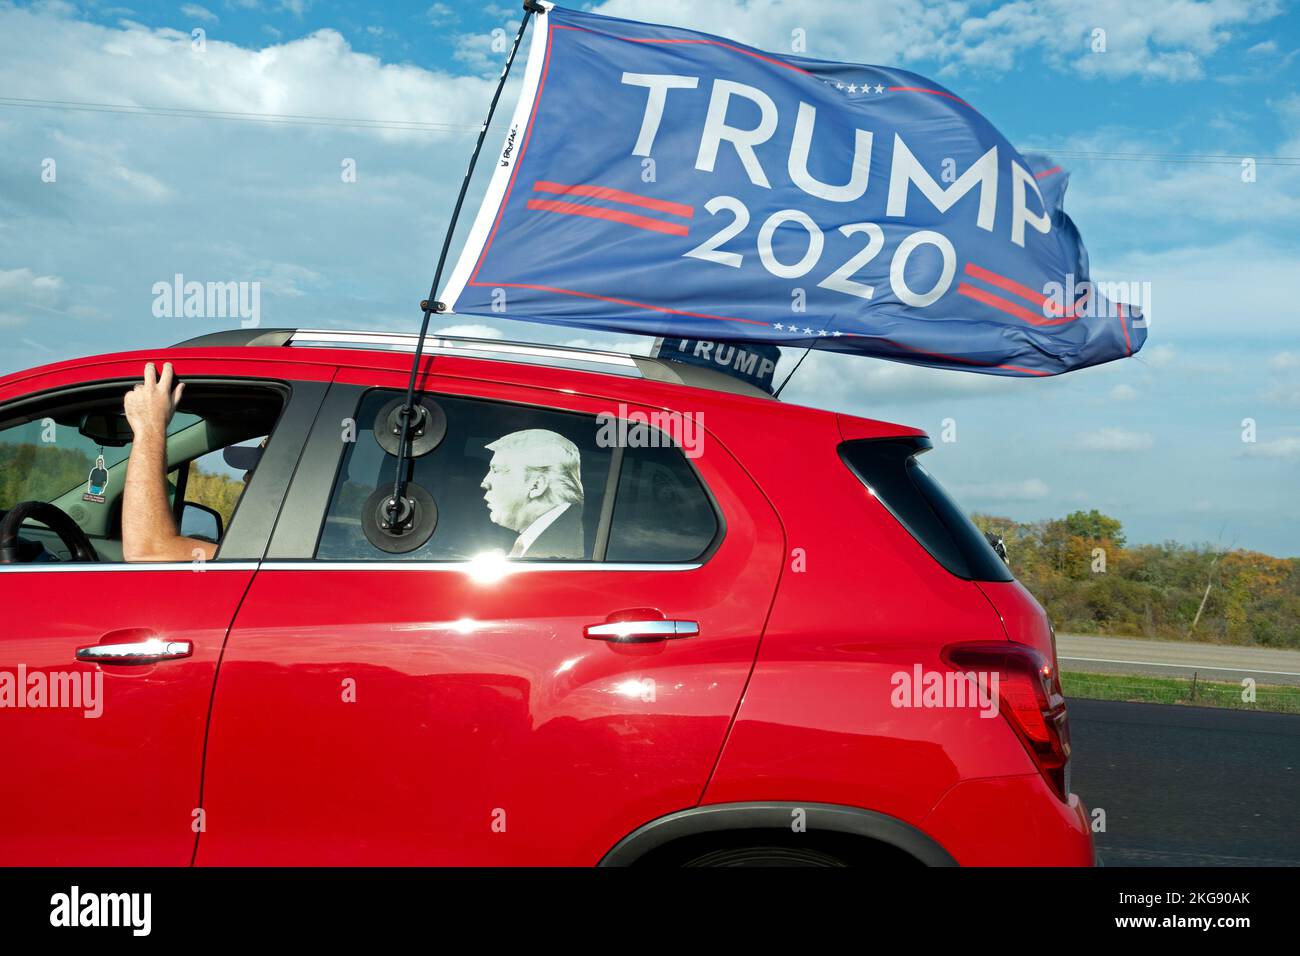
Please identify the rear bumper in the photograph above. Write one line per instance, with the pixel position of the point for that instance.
(1011, 821)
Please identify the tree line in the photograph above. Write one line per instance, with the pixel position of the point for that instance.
(1091, 581)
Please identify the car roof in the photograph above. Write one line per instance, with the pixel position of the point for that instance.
(634, 377)
(498, 350)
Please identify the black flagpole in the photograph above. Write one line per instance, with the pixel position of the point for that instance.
(777, 393)
(398, 507)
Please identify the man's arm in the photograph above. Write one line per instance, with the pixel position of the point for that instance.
(148, 529)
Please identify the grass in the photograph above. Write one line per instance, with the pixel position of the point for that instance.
(1180, 690)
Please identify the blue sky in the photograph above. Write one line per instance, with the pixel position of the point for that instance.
(1155, 441)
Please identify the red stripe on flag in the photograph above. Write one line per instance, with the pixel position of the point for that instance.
(948, 358)
(1005, 305)
(613, 215)
(1025, 292)
(615, 195)
(725, 46)
(1124, 325)
(1047, 172)
(921, 89)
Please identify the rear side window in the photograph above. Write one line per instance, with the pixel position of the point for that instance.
(889, 469)
(530, 483)
(661, 512)
(526, 481)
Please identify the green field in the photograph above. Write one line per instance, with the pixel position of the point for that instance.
(1179, 690)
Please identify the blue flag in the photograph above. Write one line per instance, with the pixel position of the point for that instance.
(672, 183)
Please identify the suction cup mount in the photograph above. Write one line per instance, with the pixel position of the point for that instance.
(399, 525)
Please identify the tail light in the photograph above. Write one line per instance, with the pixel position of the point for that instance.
(1029, 697)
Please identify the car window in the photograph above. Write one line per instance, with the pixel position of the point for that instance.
(889, 469)
(41, 460)
(47, 454)
(480, 478)
(525, 481)
(661, 511)
(214, 483)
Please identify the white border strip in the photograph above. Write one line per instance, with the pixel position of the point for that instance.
(463, 567)
(470, 567)
(190, 567)
(405, 341)
(506, 163)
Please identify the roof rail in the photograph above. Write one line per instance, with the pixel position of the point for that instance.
(499, 350)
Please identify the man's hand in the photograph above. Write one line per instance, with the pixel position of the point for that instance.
(152, 403)
(148, 529)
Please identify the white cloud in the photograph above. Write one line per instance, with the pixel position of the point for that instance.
(1224, 289)
(1114, 440)
(1285, 360)
(25, 295)
(1123, 393)
(1203, 198)
(283, 278)
(1278, 448)
(1159, 356)
(485, 53)
(57, 58)
(139, 198)
(1285, 389)
(1158, 40)
(1031, 489)
(471, 331)
(638, 346)
(196, 12)
(440, 13)
(875, 387)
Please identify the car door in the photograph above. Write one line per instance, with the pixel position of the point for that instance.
(103, 752)
(455, 706)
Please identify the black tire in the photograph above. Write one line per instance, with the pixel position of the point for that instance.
(766, 856)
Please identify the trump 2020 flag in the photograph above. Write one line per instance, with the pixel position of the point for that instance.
(668, 182)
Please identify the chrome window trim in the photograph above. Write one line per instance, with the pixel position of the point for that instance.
(501, 351)
(471, 567)
(189, 567)
(464, 567)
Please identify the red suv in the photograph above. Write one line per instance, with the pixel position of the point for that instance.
(661, 618)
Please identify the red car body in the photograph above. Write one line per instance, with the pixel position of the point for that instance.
(485, 727)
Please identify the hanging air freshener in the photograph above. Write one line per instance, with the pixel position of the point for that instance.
(97, 482)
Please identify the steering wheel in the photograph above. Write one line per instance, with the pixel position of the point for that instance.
(51, 516)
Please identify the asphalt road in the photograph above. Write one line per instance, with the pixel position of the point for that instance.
(1188, 786)
(1123, 655)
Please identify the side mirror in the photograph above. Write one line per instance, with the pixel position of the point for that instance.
(108, 429)
(998, 545)
(202, 522)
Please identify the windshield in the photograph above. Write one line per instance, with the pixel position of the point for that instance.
(42, 461)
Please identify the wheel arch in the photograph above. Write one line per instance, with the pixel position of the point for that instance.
(822, 818)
